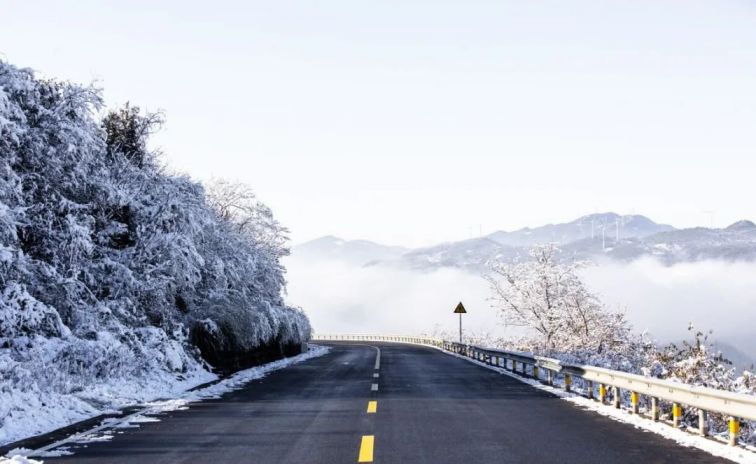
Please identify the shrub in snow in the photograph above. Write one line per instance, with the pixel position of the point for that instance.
(110, 266)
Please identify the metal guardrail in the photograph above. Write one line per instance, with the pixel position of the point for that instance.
(437, 342)
(706, 400)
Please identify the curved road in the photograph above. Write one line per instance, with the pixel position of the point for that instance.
(429, 408)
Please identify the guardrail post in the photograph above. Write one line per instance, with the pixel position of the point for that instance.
(549, 377)
(602, 393)
(734, 430)
(634, 402)
(655, 409)
(535, 372)
(676, 414)
(617, 397)
(703, 423)
(589, 387)
(567, 382)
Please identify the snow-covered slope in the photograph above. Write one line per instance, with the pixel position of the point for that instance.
(117, 278)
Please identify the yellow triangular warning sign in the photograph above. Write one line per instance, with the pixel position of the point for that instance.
(460, 309)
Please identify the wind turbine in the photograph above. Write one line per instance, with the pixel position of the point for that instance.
(711, 217)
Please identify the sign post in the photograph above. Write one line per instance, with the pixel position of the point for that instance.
(460, 309)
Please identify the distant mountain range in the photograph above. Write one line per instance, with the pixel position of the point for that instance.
(582, 228)
(596, 236)
(355, 252)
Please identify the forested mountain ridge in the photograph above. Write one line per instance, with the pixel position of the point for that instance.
(120, 280)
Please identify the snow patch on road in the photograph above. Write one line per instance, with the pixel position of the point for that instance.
(742, 455)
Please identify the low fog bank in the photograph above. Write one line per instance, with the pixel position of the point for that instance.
(660, 299)
(342, 298)
(712, 295)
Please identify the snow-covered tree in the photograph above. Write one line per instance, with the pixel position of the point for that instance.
(115, 272)
(127, 131)
(237, 203)
(547, 297)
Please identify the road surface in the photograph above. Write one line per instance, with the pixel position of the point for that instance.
(413, 405)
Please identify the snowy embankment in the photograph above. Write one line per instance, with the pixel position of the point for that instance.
(34, 407)
(120, 282)
(105, 431)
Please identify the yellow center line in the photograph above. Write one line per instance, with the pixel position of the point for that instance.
(366, 448)
(372, 407)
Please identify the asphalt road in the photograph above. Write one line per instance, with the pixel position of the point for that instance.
(429, 408)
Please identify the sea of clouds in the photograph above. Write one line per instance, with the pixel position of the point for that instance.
(662, 300)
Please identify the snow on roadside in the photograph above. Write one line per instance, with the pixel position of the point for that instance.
(104, 431)
(45, 401)
(19, 459)
(733, 453)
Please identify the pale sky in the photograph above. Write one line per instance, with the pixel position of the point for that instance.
(412, 122)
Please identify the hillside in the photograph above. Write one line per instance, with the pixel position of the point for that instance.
(120, 281)
(595, 237)
(355, 252)
(593, 225)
